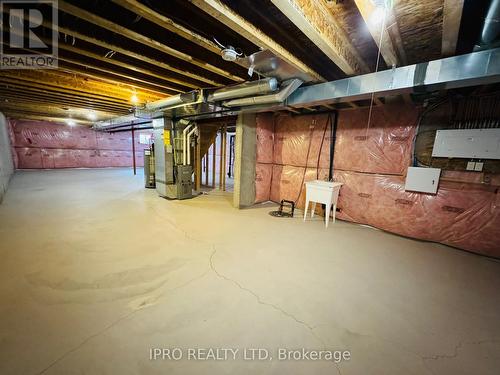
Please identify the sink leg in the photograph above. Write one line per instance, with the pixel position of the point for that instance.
(313, 209)
(305, 210)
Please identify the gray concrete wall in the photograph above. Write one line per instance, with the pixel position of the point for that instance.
(6, 163)
(245, 157)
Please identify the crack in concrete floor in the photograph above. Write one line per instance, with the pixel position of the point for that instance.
(260, 301)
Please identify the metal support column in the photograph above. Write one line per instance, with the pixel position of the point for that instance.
(133, 152)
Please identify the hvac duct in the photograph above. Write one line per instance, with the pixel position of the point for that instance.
(288, 88)
(491, 28)
(473, 69)
(119, 121)
(184, 147)
(260, 87)
(172, 101)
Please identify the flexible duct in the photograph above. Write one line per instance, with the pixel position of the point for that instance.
(279, 97)
(260, 87)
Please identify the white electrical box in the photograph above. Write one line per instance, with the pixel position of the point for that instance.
(467, 143)
(424, 180)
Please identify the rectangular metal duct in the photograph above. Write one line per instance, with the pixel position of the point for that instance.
(473, 69)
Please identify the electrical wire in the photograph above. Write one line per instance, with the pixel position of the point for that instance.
(307, 158)
(376, 68)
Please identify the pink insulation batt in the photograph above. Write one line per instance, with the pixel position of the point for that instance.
(38, 144)
(372, 164)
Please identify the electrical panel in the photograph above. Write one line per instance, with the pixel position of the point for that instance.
(424, 180)
(467, 143)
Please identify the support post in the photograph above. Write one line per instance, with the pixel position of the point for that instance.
(214, 157)
(221, 151)
(206, 168)
(224, 161)
(245, 160)
(198, 162)
(133, 152)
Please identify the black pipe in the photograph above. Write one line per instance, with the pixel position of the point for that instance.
(127, 130)
(333, 137)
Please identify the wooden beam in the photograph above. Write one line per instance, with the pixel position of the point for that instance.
(381, 36)
(43, 117)
(395, 34)
(140, 57)
(168, 90)
(121, 64)
(452, 17)
(14, 96)
(315, 20)
(113, 27)
(80, 113)
(80, 85)
(97, 74)
(235, 22)
(168, 24)
(61, 99)
(60, 88)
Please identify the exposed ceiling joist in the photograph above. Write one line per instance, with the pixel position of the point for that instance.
(113, 27)
(140, 57)
(16, 95)
(167, 90)
(377, 20)
(75, 113)
(235, 22)
(30, 93)
(121, 64)
(452, 17)
(168, 24)
(42, 116)
(56, 86)
(314, 19)
(109, 75)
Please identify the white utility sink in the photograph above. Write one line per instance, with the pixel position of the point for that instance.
(323, 192)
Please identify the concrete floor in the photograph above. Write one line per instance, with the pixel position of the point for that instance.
(95, 271)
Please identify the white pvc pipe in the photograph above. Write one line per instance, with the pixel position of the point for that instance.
(189, 146)
(184, 144)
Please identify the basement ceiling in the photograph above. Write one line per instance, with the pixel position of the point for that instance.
(113, 50)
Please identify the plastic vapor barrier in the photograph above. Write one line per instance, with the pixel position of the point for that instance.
(48, 145)
(372, 163)
(460, 214)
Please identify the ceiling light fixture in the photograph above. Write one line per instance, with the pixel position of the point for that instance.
(377, 16)
(91, 115)
(70, 122)
(134, 99)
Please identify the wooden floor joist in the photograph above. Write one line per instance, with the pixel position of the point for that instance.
(55, 87)
(235, 22)
(15, 96)
(139, 57)
(316, 22)
(379, 29)
(452, 17)
(167, 23)
(112, 61)
(113, 27)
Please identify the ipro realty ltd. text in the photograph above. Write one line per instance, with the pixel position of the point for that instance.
(247, 354)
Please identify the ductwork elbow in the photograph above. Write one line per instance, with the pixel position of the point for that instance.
(288, 88)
